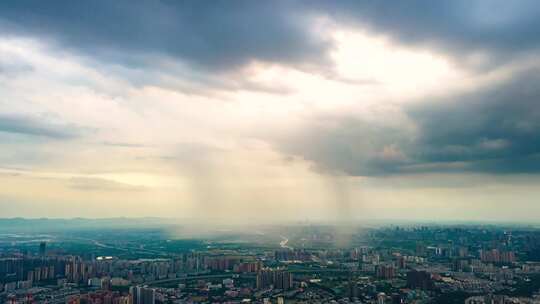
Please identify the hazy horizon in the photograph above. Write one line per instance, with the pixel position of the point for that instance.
(282, 111)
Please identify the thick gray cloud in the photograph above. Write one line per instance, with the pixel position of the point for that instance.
(347, 145)
(225, 34)
(499, 29)
(213, 34)
(491, 130)
(36, 126)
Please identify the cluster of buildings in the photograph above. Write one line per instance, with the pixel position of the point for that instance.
(274, 278)
(501, 299)
(416, 265)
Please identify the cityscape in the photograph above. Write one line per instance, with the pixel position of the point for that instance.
(302, 263)
(269, 152)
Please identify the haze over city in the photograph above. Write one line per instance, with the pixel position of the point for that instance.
(250, 111)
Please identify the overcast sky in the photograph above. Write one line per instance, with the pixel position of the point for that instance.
(270, 110)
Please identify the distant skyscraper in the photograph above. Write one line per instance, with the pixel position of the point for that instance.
(386, 271)
(134, 295)
(419, 280)
(148, 296)
(42, 248)
(142, 295)
(401, 262)
(381, 298)
(279, 279)
(264, 279)
(354, 291)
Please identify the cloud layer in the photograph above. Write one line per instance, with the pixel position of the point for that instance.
(489, 130)
(214, 35)
(243, 109)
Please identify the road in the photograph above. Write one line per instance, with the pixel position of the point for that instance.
(198, 277)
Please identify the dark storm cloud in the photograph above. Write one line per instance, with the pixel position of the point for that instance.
(214, 35)
(500, 29)
(494, 130)
(36, 126)
(226, 34)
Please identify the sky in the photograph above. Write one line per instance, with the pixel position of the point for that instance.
(270, 111)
